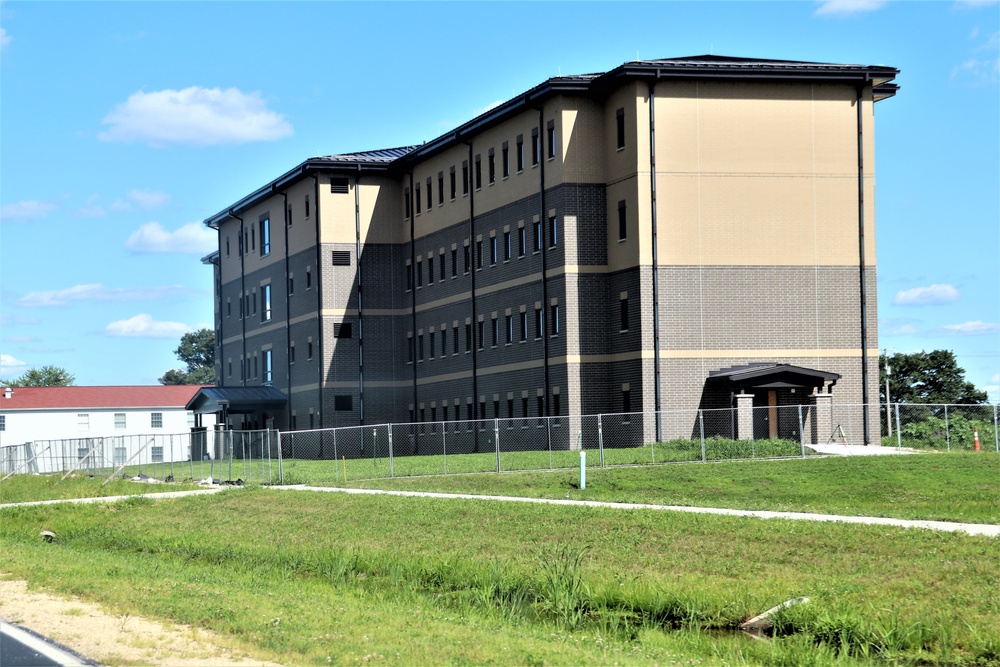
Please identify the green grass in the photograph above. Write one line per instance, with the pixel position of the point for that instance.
(26, 488)
(962, 487)
(315, 578)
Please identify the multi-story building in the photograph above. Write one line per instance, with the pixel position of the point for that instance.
(681, 233)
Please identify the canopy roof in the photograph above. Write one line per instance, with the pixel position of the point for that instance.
(240, 400)
(765, 375)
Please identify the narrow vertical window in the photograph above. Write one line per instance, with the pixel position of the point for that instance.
(620, 127)
(440, 188)
(550, 136)
(307, 206)
(506, 246)
(451, 180)
(520, 152)
(524, 326)
(505, 161)
(555, 320)
(479, 173)
(265, 235)
(431, 344)
(406, 203)
(624, 313)
(496, 332)
(454, 339)
(409, 277)
(441, 276)
(626, 401)
(454, 262)
(265, 298)
(288, 216)
(420, 273)
(465, 177)
(493, 251)
(430, 269)
(420, 347)
(468, 259)
(468, 337)
(492, 167)
(416, 197)
(510, 329)
(227, 246)
(309, 281)
(622, 221)
(539, 323)
(409, 349)
(479, 254)
(536, 149)
(480, 333)
(444, 341)
(430, 194)
(522, 242)
(268, 369)
(553, 232)
(536, 228)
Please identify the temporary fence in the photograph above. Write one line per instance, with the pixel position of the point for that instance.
(507, 443)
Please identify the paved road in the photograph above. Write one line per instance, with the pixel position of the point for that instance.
(20, 647)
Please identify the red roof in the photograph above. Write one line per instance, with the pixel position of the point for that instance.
(40, 398)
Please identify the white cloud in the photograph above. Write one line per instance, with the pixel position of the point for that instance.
(191, 238)
(5, 39)
(145, 199)
(8, 320)
(144, 326)
(194, 116)
(10, 365)
(29, 209)
(926, 296)
(92, 208)
(977, 71)
(98, 292)
(842, 8)
(995, 378)
(898, 327)
(20, 339)
(973, 328)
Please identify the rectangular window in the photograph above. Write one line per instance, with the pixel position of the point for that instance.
(624, 314)
(496, 408)
(556, 408)
(479, 254)
(524, 409)
(430, 269)
(493, 251)
(253, 238)
(468, 337)
(480, 333)
(536, 148)
(266, 303)
(409, 277)
(430, 194)
(479, 173)
(626, 401)
(441, 277)
(524, 326)
(440, 188)
(506, 246)
(454, 340)
(550, 135)
(510, 329)
(409, 349)
(343, 403)
(620, 127)
(505, 161)
(492, 166)
(510, 408)
(255, 302)
(539, 323)
(309, 350)
(416, 197)
(451, 180)
(454, 262)
(288, 215)
(406, 203)
(555, 320)
(420, 273)
(540, 406)
(156, 454)
(553, 232)
(420, 347)
(465, 177)
(622, 221)
(431, 344)
(291, 353)
(156, 420)
(119, 420)
(291, 285)
(522, 241)
(468, 259)
(227, 246)
(496, 332)
(444, 341)
(536, 229)
(309, 279)
(307, 203)
(520, 153)
(265, 235)
(268, 366)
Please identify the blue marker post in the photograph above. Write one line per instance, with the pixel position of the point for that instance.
(583, 470)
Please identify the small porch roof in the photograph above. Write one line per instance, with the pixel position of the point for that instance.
(237, 400)
(765, 375)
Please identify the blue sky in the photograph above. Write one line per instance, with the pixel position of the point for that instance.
(123, 125)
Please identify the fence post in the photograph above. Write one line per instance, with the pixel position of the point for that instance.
(701, 428)
(496, 439)
(335, 456)
(947, 428)
(802, 435)
(996, 436)
(281, 468)
(444, 445)
(392, 471)
(899, 436)
(600, 438)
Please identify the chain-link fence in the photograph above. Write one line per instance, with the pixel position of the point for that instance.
(330, 456)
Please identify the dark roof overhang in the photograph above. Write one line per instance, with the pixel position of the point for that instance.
(240, 400)
(772, 376)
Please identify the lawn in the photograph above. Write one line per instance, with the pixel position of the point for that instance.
(311, 578)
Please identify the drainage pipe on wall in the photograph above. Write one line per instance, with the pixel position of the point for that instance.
(656, 281)
(542, 219)
(361, 330)
(413, 292)
(319, 302)
(861, 269)
(243, 286)
(288, 311)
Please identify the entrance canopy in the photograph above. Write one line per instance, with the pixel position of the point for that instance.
(772, 376)
(238, 400)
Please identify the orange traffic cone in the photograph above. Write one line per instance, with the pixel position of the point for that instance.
(975, 437)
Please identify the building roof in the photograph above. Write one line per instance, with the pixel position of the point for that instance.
(93, 398)
(244, 400)
(705, 67)
(769, 375)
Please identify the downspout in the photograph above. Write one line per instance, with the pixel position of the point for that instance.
(656, 280)
(319, 303)
(861, 268)
(219, 375)
(543, 219)
(475, 323)
(288, 313)
(413, 292)
(361, 330)
(243, 310)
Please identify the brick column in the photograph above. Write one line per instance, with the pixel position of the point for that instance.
(822, 417)
(744, 416)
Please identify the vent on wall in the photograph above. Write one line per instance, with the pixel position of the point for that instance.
(341, 257)
(339, 186)
(342, 330)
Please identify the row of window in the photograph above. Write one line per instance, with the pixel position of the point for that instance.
(493, 250)
(249, 366)
(454, 412)
(475, 178)
(155, 420)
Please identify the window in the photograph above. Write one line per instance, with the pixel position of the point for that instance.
(522, 241)
(430, 194)
(496, 408)
(451, 180)
(510, 409)
(83, 422)
(479, 254)
(468, 259)
(409, 276)
(268, 367)
(227, 246)
(265, 235)
(265, 298)
(510, 329)
(520, 153)
(465, 177)
(536, 149)
(539, 323)
(480, 333)
(492, 166)
(406, 203)
(493, 251)
(420, 273)
(309, 350)
(291, 353)
(506, 246)
(620, 125)
(156, 420)
(496, 332)
(444, 341)
(441, 277)
(468, 337)
(343, 403)
(416, 197)
(454, 339)
(253, 238)
(524, 409)
(622, 221)
(482, 414)
(430, 345)
(536, 230)
(624, 313)
(420, 347)
(524, 326)
(291, 285)
(554, 310)
(479, 173)
(156, 454)
(307, 202)
(409, 349)
(626, 401)
(454, 262)
(441, 188)
(229, 308)
(550, 136)
(505, 161)
(119, 421)
(553, 232)
(430, 269)
(540, 406)
(309, 281)
(255, 302)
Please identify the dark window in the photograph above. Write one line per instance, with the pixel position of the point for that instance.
(406, 203)
(622, 221)
(343, 402)
(510, 329)
(343, 329)
(520, 152)
(536, 229)
(539, 323)
(416, 197)
(441, 277)
(409, 349)
(492, 162)
(265, 235)
(480, 333)
(420, 347)
(522, 243)
(524, 325)
(430, 269)
(550, 136)
(338, 186)
(431, 345)
(493, 250)
(496, 332)
(626, 400)
(505, 161)
(454, 262)
(479, 254)
(554, 310)
(553, 232)
(510, 408)
(479, 173)
(536, 149)
(291, 285)
(309, 350)
(341, 257)
(620, 125)
(496, 408)
(465, 177)
(624, 314)
(430, 194)
(451, 178)
(482, 414)
(524, 407)
(506, 246)
(420, 273)
(556, 407)
(440, 188)
(444, 341)
(409, 277)
(454, 340)
(468, 337)
(540, 405)
(309, 280)
(468, 259)
(288, 215)
(307, 208)
(227, 246)
(291, 354)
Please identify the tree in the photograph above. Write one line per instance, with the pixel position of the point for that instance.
(46, 376)
(927, 377)
(197, 351)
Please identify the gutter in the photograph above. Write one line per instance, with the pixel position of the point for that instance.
(319, 303)
(243, 309)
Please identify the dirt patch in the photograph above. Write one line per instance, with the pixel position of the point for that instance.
(116, 639)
